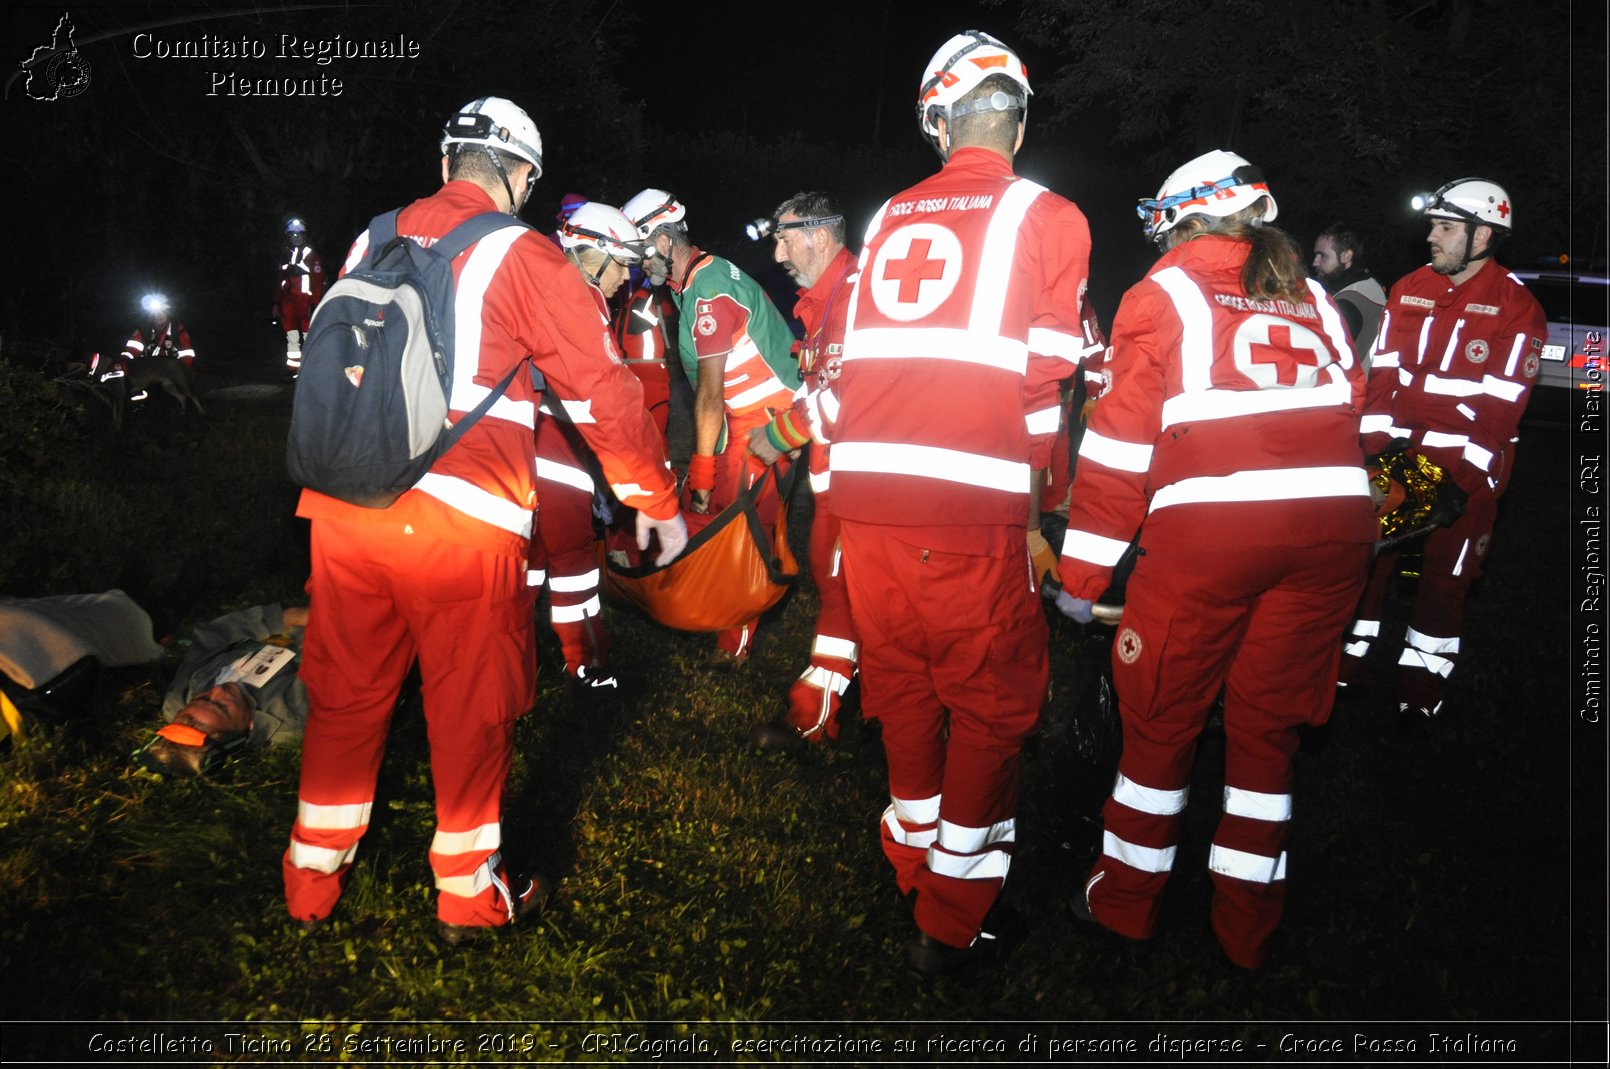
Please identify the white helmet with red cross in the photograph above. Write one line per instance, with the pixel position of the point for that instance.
(1216, 183)
(598, 226)
(1473, 200)
(956, 70)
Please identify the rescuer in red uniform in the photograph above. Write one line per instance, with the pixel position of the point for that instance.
(809, 232)
(1230, 429)
(440, 574)
(301, 284)
(645, 326)
(963, 323)
(602, 244)
(1459, 348)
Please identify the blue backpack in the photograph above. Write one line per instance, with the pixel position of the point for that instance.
(370, 412)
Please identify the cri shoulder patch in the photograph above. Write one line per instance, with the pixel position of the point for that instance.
(1129, 645)
(1476, 351)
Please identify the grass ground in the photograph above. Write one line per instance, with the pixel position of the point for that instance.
(1432, 877)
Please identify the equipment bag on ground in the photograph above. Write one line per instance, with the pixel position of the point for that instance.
(371, 405)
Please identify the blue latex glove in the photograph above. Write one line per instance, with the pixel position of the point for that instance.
(1075, 609)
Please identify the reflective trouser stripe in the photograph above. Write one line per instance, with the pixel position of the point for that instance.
(574, 584)
(917, 838)
(320, 858)
(828, 646)
(485, 838)
(572, 614)
(1257, 805)
(1240, 865)
(1151, 800)
(1145, 858)
(354, 816)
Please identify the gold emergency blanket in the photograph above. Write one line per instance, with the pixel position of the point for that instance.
(1404, 486)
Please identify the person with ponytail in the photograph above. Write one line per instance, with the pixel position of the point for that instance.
(1231, 429)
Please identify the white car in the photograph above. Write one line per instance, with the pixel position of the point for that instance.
(1578, 309)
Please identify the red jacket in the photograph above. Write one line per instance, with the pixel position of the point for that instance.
(1452, 369)
(153, 340)
(517, 295)
(1230, 422)
(824, 310)
(301, 276)
(965, 319)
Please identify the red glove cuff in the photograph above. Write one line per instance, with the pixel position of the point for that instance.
(701, 472)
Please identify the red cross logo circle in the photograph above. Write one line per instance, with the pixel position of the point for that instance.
(915, 270)
(1129, 645)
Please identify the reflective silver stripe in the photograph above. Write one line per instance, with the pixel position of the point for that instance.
(819, 481)
(937, 343)
(320, 858)
(1110, 452)
(1097, 549)
(1196, 319)
(1357, 649)
(135, 344)
(916, 810)
(756, 394)
(989, 865)
(1453, 344)
(1153, 800)
(1459, 565)
(746, 349)
(574, 411)
(825, 680)
(1367, 628)
(535, 577)
(962, 839)
(1381, 358)
(1515, 351)
(1430, 662)
(1282, 484)
(468, 303)
(1145, 858)
(842, 648)
(920, 839)
(333, 817)
(1476, 455)
(1057, 343)
(1425, 336)
(574, 584)
(1465, 410)
(932, 462)
(564, 474)
(994, 273)
(356, 254)
(187, 352)
(1240, 865)
(1440, 440)
(1437, 384)
(575, 614)
(1331, 321)
(487, 837)
(473, 501)
(1430, 643)
(1503, 389)
(1229, 404)
(471, 886)
(1045, 421)
(1256, 804)
(1374, 424)
(626, 491)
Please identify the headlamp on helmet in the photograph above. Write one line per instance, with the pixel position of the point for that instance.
(1474, 200)
(296, 226)
(1216, 183)
(960, 65)
(154, 304)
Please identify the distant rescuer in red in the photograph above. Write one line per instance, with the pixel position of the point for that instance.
(1231, 430)
(440, 575)
(301, 284)
(1459, 348)
(969, 298)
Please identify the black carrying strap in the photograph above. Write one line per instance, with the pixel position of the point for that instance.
(383, 235)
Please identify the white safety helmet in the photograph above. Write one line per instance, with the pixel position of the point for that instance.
(499, 124)
(651, 209)
(956, 69)
(1217, 183)
(598, 226)
(1474, 200)
(296, 226)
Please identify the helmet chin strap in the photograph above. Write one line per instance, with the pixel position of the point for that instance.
(515, 203)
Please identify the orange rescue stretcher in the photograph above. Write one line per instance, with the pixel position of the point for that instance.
(727, 576)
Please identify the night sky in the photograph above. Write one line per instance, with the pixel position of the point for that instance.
(154, 169)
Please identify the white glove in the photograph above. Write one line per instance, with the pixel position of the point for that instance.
(1076, 609)
(673, 534)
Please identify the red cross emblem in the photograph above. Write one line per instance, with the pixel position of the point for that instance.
(1503, 209)
(1281, 349)
(914, 270)
(1129, 645)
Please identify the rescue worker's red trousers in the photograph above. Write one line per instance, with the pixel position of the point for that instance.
(1453, 559)
(382, 596)
(1264, 624)
(564, 549)
(814, 699)
(945, 632)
